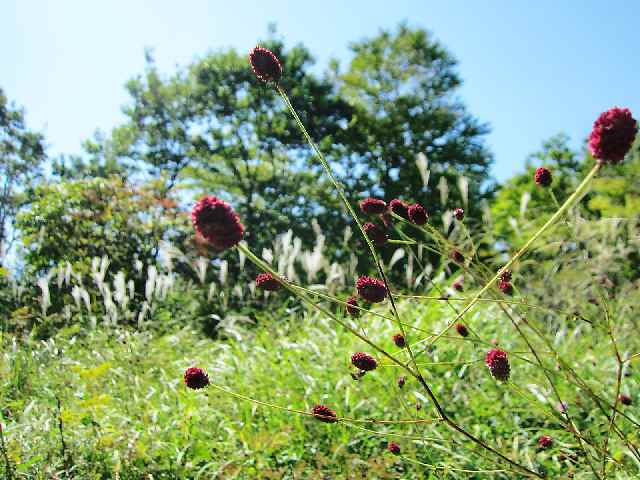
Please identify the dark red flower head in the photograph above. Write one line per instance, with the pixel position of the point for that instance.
(376, 234)
(498, 364)
(394, 448)
(625, 399)
(458, 283)
(505, 287)
(505, 276)
(265, 64)
(543, 177)
(399, 340)
(459, 214)
(400, 208)
(266, 281)
(612, 135)
(364, 361)
(462, 330)
(217, 222)
(195, 378)
(352, 302)
(401, 381)
(371, 289)
(456, 256)
(324, 414)
(417, 214)
(545, 441)
(373, 206)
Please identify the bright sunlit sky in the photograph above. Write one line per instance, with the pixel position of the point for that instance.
(531, 69)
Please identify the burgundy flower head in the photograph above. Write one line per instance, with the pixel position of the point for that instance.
(324, 414)
(352, 302)
(265, 64)
(399, 340)
(417, 214)
(373, 206)
(459, 214)
(456, 256)
(505, 276)
(401, 381)
(371, 289)
(217, 222)
(498, 364)
(625, 399)
(394, 448)
(505, 287)
(364, 361)
(400, 208)
(458, 283)
(195, 378)
(612, 135)
(545, 441)
(266, 281)
(462, 330)
(543, 177)
(376, 234)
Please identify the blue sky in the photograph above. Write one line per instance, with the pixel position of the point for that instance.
(531, 69)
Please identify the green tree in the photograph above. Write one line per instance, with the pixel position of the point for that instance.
(21, 155)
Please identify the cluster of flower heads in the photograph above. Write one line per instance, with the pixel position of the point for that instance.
(265, 64)
(364, 361)
(498, 364)
(504, 282)
(324, 414)
(371, 289)
(217, 222)
(266, 281)
(612, 135)
(196, 378)
(543, 177)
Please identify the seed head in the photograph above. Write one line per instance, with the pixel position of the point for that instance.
(456, 256)
(371, 289)
(543, 177)
(363, 361)
(265, 64)
(612, 135)
(324, 414)
(394, 448)
(376, 234)
(400, 208)
(498, 364)
(217, 222)
(545, 441)
(373, 206)
(462, 330)
(457, 284)
(401, 381)
(459, 214)
(505, 276)
(417, 214)
(625, 399)
(399, 340)
(352, 302)
(266, 281)
(195, 378)
(505, 287)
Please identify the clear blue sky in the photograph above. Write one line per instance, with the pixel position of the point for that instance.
(531, 69)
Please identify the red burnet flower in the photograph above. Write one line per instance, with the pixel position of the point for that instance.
(363, 361)
(545, 441)
(498, 364)
(462, 330)
(458, 283)
(505, 287)
(612, 135)
(324, 414)
(401, 381)
(371, 289)
(543, 177)
(373, 206)
(399, 340)
(217, 222)
(266, 281)
(625, 399)
(376, 234)
(265, 64)
(400, 208)
(456, 256)
(459, 214)
(417, 214)
(394, 448)
(505, 276)
(195, 378)
(352, 302)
